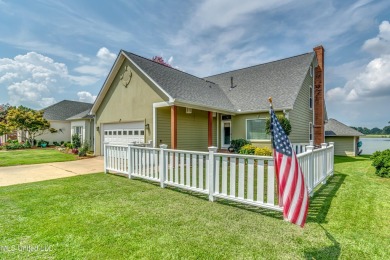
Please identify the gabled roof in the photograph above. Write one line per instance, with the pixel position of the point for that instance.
(183, 87)
(336, 128)
(280, 79)
(65, 109)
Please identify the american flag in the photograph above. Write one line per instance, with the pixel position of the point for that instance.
(293, 193)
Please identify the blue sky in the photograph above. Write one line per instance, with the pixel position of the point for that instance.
(55, 50)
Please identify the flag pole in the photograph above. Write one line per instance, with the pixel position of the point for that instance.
(270, 125)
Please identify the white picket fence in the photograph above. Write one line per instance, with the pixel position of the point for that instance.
(245, 179)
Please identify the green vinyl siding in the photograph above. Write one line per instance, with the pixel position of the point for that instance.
(192, 130)
(239, 128)
(301, 115)
(343, 145)
(163, 126)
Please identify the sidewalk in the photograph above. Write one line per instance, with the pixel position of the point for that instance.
(47, 171)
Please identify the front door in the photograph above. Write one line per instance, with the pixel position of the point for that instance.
(226, 133)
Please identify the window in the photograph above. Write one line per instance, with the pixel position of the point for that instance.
(79, 131)
(311, 71)
(255, 129)
(114, 132)
(110, 133)
(125, 132)
(136, 132)
(130, 132)
(105, 132)
(119, 132)
(311, 97)
(310, 131)
(142, 132)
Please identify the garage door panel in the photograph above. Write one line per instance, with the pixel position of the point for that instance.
(124, 133)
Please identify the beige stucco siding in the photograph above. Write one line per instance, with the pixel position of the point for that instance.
(127, 104)
(343, 145)
(302, 115)
(63, 132)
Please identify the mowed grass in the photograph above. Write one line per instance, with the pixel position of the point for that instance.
(33, 156)
(110, 217)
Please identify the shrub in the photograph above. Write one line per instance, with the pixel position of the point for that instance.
(56, 143)
(264, 151)
(238, 143)
(68, 145)
(381, 162)
(284, 122)
(62, 142)
(248, 149)
(84, 149)
(76, 141)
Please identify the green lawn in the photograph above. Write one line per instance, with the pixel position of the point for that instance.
(109, 217)
(33, 156)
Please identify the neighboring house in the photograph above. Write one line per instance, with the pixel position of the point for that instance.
(68, 117)
(144, 101)
(344, 137)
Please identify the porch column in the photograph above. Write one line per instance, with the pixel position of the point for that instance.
(210, 129)
(173, 127)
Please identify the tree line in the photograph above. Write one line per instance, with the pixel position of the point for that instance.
(373, 131)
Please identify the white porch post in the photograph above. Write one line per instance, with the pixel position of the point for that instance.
(105, 156)
(162, 164)
(324, 162)
(332, 158)
(129, 160)
(211, 172)
(310, 148)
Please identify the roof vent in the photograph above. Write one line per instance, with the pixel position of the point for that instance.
(231, 83)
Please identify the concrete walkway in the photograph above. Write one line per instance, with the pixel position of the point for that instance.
(47, 171)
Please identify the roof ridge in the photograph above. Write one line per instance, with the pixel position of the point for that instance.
(287, 58)
(150, 60)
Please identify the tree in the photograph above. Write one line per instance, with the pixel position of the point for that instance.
(160, 60)
(3, 114)
(28, 120)
(386, 130)
(376, 131)
(284, 122)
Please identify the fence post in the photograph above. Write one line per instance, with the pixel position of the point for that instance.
(105, 156)
(310, 183)
(332, 158)
(211, 173)
(162, 164)
(129, 160)
(324, 162)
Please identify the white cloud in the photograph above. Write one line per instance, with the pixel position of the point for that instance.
(381, 43)
(85, 96)
(102, 64)
(373, 82)
(32, 79)
(35, 80)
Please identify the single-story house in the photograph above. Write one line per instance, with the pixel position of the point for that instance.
(68, 118)
(344, 137)
(147, 102)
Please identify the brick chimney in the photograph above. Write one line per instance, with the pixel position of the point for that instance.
(319, 97)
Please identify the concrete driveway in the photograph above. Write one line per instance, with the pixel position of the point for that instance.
(47, 171)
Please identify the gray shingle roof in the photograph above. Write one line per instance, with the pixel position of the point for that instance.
(83, 115)
(280, 79)
(65, 109)
(336, 128)
(182, 86)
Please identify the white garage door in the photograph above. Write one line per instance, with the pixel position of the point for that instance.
(124, 133)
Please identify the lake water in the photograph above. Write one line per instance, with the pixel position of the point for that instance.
(371, 145)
